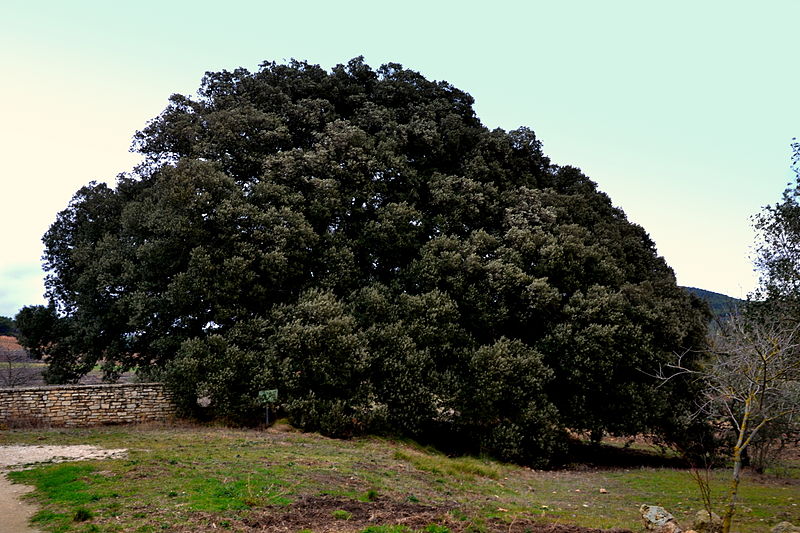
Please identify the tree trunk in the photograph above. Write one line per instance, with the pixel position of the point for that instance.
(730, 508)
(741, 444)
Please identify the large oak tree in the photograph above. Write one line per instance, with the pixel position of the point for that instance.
(359, 240)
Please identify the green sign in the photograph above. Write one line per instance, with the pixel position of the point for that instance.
(268, 396)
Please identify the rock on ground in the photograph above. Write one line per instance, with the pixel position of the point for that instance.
(658, 520)
(707, 523)
(785, 527)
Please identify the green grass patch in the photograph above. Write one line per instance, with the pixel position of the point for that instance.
(434, 528)
(62, 483)
(341, 514)
(387, 529)
(68, 492)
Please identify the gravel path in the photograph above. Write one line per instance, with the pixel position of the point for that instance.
(17, 456)
(14, 513)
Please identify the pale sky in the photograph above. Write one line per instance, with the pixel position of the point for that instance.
(681, 111)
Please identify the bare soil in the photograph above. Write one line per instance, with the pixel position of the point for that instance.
(317, 513)
(15, 513)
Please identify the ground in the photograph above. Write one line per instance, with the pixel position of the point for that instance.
(198, 478)
(15, 512)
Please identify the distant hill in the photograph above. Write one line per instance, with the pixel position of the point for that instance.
(10, 350)
(721, 304)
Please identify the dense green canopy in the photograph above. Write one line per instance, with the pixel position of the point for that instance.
(7, 326)
(359, 240)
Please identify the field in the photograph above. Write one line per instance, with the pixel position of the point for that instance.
(191, 478)
(17, 369)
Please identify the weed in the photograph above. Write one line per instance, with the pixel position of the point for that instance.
(82, 515)
(341, 514)
(386, 529)
(475, 528)
(458, 514)
(435, 528)
(371, 495)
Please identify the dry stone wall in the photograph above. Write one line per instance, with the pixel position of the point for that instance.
(85, 405)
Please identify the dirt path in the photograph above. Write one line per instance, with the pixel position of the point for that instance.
(14, 513)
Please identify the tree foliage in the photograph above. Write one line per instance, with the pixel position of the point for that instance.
(778, 247)
(8, 327)
(59, 341)
(360, 241)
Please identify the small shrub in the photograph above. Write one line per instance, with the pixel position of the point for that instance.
(82, 515)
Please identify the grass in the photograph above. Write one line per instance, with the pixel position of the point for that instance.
(21, 364)
(437, 463)
(192, 477)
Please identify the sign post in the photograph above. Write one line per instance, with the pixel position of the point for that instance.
(267, 397)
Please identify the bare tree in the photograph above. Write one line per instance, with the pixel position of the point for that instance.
(750, 380)
(14, 368)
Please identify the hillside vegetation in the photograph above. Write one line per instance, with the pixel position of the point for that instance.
(720, 304)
